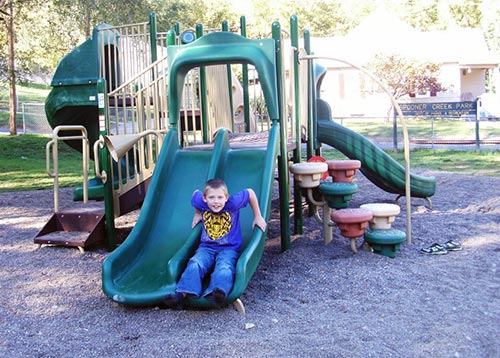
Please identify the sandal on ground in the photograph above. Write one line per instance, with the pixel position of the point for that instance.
(434, 249)
(452, 246)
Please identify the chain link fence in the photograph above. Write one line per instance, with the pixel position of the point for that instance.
(34, 119)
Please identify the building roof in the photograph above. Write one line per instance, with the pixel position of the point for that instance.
(385, 33)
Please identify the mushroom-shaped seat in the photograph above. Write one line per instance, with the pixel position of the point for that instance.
(343, 170)
(383, 214)
(352, 223)
(337, 195)
(385, 241)
(308, 174)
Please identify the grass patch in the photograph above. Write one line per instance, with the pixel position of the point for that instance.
(426, 129)
(23, 164)
(485, 162)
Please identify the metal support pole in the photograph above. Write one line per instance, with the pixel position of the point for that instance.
(106, 167)
(478, 144)
(284, 184)
(152, 36)
(432, 132)
(225, 28)
(294, 35)
(203, 94)
(395, 134)
(244, 67)
(311, 105)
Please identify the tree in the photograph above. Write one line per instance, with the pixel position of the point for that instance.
(321, 17)
(189, 13)
(467, 13)
(405, 76)
(11, 14)
(86, 14)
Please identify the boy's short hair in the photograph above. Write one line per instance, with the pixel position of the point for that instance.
(215, 184)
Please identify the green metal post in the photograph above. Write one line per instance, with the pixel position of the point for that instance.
(203, 93)
(294, 36)
(152, 35)
(225, 27)
(154, 53)
(311, 125)
(395, 134)
(171, 39)
(244, 68)
(106, 167)
(284, 185)
(313, 147)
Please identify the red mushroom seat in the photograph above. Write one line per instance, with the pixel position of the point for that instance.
(352, 222)
(343, 170)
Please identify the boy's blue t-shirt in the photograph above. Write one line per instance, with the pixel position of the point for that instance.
(221, 230)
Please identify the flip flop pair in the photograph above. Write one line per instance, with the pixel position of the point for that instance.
(441, 249)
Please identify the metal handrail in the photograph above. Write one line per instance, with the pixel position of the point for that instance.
(101, 174)
(53, 144)
(133, 80)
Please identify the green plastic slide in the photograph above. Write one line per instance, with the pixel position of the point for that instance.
(380, 168)
(149, 263)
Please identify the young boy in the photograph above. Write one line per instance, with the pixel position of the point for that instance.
(219, 244)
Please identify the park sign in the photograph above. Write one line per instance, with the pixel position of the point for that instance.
(439, 109)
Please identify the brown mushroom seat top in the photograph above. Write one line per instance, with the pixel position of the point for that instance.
(351, 215)
(343, 164)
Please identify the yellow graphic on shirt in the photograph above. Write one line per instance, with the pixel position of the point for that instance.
(217, 224)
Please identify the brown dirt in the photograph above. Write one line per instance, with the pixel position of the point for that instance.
(313, 300)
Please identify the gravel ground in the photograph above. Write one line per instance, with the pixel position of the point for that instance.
(311, 301)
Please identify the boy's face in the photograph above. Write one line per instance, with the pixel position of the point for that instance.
(215, 199)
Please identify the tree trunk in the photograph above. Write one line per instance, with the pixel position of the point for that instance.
(12, 73)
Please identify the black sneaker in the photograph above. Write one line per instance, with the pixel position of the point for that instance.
(174, 301)
(452, 246)
(434, 249)
(219, 296)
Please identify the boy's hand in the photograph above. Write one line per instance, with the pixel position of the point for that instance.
(260, 222)
(196, 220)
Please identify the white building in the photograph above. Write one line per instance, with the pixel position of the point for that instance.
(462, 53)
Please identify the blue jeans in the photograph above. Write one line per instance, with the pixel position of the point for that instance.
(223, 263)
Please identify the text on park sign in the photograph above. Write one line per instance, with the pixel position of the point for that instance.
(439, 109)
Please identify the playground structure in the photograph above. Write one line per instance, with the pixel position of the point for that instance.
(163, 116)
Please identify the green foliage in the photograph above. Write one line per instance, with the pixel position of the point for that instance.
(323, 17)
(189, 13)
(490, 13)
(466, 13)
(422, 14)
(47, 30)
(320, 17)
